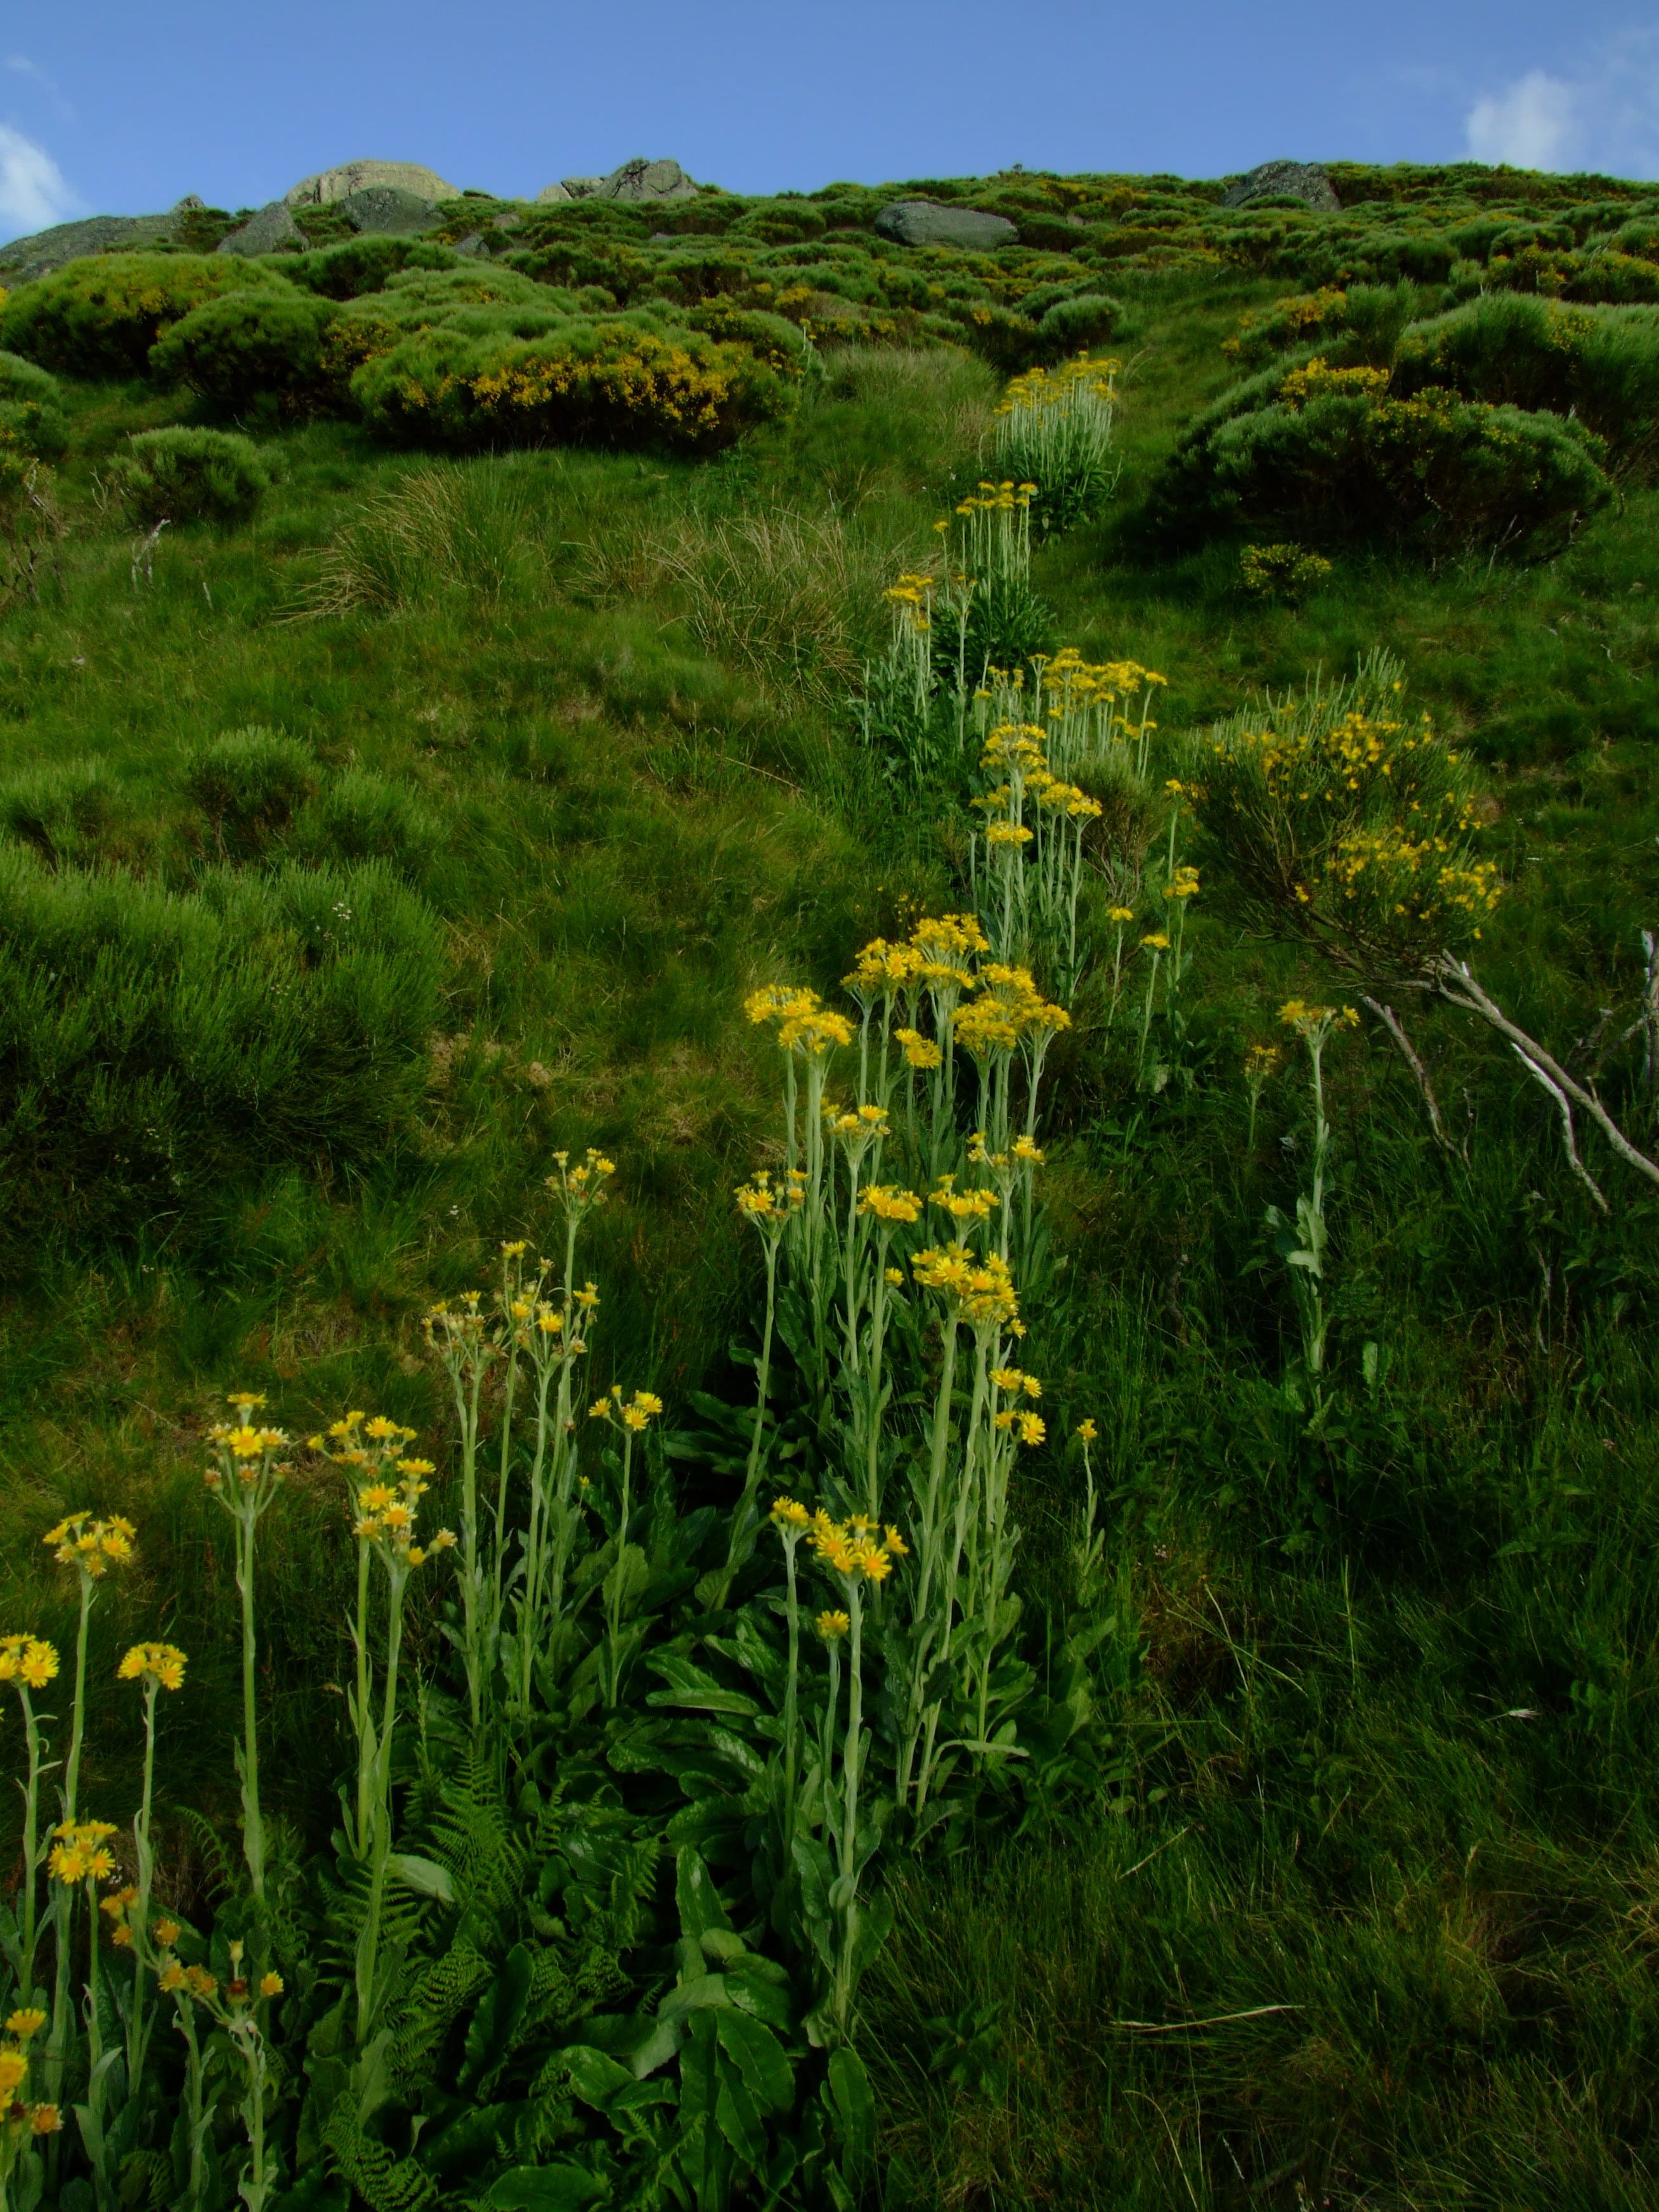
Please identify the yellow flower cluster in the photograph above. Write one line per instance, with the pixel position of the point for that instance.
(80, 1852)
(21, 2027)
(29, 1661)
(162, 1664)
(997, 498)
(887, 1203)
(1420, 877)
(1317, 380)
(1040, 390)
(768, 1203)
(1297, 1014)
(853, 1548)
(635, 1415)
(804, 1024)
(94, 1546)
(1008, 1009)
(977, 1291)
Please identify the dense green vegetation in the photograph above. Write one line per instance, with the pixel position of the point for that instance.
(397, 817)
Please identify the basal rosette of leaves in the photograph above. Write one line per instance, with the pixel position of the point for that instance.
(614, 382)
(1339, 817)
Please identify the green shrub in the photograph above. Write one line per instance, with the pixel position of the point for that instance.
(249, 346)
(360, 817)
(611, 382)
(154, 1048)
(190, 475)
(101, 316)
(1330, 451)
(250, 782)
(32, 420)
(774, 341)
(357, 266)
(1614, 280)
(1281, 572)
(1071, 326)
(1600, 365)
(61, 810)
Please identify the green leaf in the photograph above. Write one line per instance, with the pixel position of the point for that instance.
(424, 1876)
(704, 1993)
(847, 2092)
(759, 2057)
(692, 1686)
(594, 2076)
(738, 2117)
(565, 2187)
(695, 1893)
(496, 2022)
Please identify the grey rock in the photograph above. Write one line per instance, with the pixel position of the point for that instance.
(188, 205)
(385, 209)
(1299, 180)
(550, 192)
(268, 232)
(638, 179)
(926, 222)
(331, 184)
(25, 259)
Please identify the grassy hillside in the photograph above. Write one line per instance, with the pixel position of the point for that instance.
(1347, 1891)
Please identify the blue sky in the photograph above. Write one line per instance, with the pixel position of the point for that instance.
(110, 108)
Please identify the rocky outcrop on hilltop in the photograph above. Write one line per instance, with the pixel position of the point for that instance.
(638, 179)
(1283, 180)
(329, 186)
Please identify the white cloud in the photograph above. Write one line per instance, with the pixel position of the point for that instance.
(1531, 123)
(33, 192)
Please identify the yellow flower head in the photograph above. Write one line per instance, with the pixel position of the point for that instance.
(14, 2072)
(161, 1663)
(28, 2022)
(832, 1626)
(271, 1985)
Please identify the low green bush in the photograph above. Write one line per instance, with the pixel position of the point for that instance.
(156, 1048)
(100, 317)
(360, 817)
(32, 420)
(190, 475)
(1071, 326)
(357, 266)
(248, 347)
(61, 810)
(619, 382)
(250, 783)
(1331, 451)
(1600, 365)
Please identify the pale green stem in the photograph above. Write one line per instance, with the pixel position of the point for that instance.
(254, 1833)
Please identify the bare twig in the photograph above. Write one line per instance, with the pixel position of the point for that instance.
(1395, 1028)
(1568, 1138)
(1457, 986)
(1650, 1014)
(143, 555)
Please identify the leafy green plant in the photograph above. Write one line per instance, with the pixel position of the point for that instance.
(182, 476)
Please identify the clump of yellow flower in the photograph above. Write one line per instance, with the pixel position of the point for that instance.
(162, 1664)
(94, 1546)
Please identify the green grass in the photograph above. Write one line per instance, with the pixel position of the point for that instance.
(1365, 1910)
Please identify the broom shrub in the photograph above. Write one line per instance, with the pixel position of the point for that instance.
(99, 317)
(157, 1047)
